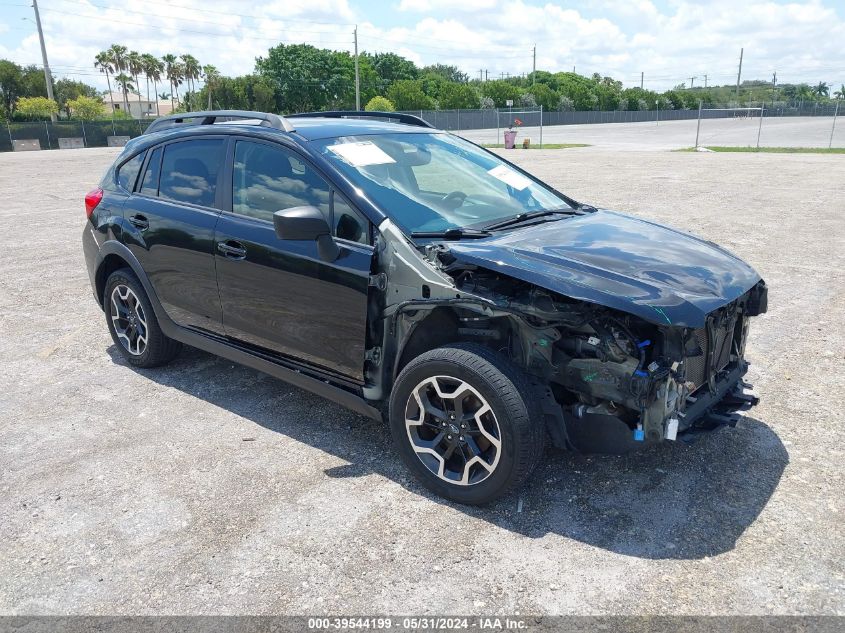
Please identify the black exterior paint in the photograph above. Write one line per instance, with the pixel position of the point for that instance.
(656, 273)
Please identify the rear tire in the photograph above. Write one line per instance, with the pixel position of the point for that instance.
(132, 322)
(467, 423)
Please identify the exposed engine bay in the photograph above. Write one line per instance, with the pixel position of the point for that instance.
(612, 381)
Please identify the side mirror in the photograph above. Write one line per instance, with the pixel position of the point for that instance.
(306, 223)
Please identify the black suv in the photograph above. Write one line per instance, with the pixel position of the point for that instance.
(404, 272)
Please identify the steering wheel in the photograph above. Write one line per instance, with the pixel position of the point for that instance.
(455, 198)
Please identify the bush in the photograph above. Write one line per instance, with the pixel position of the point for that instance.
(408, 95)
(379, 104)
(86, 108)
(35, 108)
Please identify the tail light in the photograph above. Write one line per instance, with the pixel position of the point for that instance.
(92, 199)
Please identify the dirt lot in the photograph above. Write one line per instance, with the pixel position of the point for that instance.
(205, 487)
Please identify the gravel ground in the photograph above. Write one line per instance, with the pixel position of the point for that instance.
(205, 487)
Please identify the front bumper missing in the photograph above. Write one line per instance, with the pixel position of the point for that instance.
(707, 410)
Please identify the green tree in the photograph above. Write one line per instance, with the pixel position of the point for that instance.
(308, 78)
(500, 91)
(35, 108)
(65, 90)
(135, 66)
(390, 68)
(408, 95)
(457, 95)
(85, 108)
(153, 67)
(212, 76)
(446, 72)
(822, 90)
(191, 71)
(840, 94)
(545, 96)
(173, 72)
(11, 86)
(379, 104)
(125, 83)
(104, 64)
(118, 55)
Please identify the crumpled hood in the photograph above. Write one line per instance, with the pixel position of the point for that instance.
(659, 274)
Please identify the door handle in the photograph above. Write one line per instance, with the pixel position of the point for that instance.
(139, 222)
(232, 249)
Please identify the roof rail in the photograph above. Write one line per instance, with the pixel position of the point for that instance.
(407, 119)
(210, 117)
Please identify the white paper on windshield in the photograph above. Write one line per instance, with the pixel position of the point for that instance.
(510, 177)
(361, 154)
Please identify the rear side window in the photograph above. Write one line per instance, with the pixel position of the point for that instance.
(189, 171)
(127, 173)
(149, 185)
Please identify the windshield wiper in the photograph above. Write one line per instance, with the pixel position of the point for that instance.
(452, 234)
(523, 217)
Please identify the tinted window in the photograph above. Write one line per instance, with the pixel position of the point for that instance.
(149, 185)
(189, 171)
(128, 171)
(267, 179)
(348, 223)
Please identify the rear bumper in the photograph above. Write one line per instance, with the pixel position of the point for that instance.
(91, 251)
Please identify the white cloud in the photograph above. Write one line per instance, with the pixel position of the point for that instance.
(801, 40)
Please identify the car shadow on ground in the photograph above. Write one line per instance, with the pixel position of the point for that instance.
(673, 501)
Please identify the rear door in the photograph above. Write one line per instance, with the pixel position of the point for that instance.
(278, 295)
(169, 227)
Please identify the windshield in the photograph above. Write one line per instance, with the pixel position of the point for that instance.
(436, 182)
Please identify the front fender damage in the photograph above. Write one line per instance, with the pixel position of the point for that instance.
(610, 381)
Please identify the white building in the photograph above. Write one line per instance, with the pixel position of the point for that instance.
(138, 108)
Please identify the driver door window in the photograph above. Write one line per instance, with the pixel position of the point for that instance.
(267, 179)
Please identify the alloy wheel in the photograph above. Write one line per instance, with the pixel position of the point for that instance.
(128, 319)
(453, 430)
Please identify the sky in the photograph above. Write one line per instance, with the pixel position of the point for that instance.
(669, 41)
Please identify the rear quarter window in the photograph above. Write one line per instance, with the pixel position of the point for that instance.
(127, 173)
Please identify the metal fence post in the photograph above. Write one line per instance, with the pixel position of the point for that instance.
(47, 130)
(698, 127)
(760, 127)
(84, 138)
(833, 127)
(11, 140)
(497, 126)
(541, 126)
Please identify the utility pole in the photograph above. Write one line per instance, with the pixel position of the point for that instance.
(357, 80)
(642, 78)
(486, 75)
(480, 74)
(739, 74)
(534, 67)
(47, 75)
(692, 81)
(705, 80)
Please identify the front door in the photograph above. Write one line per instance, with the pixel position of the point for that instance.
(278, 295)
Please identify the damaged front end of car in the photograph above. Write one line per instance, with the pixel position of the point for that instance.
(611, 380)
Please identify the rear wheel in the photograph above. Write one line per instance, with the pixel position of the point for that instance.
(465, 421)
(132, 322)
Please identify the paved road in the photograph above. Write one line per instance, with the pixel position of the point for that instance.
(776, 132)
(205, 487)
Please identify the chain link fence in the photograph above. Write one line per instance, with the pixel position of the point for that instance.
(485, 126)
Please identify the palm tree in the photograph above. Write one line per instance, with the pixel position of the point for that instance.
(191, 70)
(136, 66)
(103, 62)
(212, 75)
(840, 94)
(125, 82)
(152, 69)
(172, 71)
(822, 90)
(118, 56)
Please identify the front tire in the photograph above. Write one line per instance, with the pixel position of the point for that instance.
(466, 422)
(132, 322)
